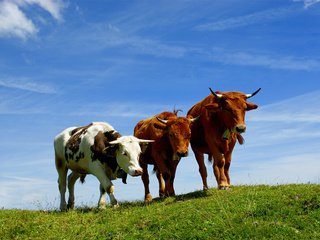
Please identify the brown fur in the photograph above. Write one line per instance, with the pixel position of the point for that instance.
(216, 116)
(170, 139)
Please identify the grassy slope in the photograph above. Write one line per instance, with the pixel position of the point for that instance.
(245, 212)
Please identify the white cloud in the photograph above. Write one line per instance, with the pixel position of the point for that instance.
(14, 23)
(241, 21)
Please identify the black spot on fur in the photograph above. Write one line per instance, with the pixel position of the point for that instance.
(103, 151)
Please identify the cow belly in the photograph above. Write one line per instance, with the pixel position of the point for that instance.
(79, 167)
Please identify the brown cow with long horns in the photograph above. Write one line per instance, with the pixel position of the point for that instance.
(221, 124)
(171, 135)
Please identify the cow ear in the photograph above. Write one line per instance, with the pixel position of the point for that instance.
(251, 106)
(212, 107)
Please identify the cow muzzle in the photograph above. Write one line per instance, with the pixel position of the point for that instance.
(241, 128)
(182, 154)
(137, 172)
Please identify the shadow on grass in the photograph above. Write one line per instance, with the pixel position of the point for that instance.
(157, 200)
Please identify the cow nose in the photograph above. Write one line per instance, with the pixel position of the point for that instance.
(241, 128)
(137, 172)
(182, 154)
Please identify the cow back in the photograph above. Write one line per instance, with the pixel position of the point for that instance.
(152, 128)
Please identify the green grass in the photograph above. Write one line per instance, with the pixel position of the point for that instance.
(245, 212)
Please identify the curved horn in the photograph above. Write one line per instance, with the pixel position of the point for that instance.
(145, 141)
(252, 94)
(215, 94)
(194, 119)
(114, 142)
(162, 120)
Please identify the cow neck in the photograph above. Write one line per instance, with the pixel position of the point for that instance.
(111, 159)
(108, 157)
(165, 142)
(221, 128)
(227, 132)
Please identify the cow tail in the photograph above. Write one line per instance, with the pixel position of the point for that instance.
(82, 178)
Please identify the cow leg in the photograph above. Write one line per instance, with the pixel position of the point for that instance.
(227, 166)
(202, 168)
(169, 184)
(62, 182)
(165, 174)
(72, 178)
(218, 168)
(102, 198)
(145, 180)
(106, 186)
(161, 184)
(113, 200)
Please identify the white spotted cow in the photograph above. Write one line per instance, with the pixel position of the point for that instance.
(96, 149)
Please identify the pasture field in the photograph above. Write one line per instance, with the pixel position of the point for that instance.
(245, 212)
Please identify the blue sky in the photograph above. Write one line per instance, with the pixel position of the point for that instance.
(68, 63)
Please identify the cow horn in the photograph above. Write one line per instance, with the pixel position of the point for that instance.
(145, 141)
(162, 120)
(194, 119)
(252, 94)
(215, 94)
(114, 142)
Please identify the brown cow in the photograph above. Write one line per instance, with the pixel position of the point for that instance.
(172, 136)
(220, 126)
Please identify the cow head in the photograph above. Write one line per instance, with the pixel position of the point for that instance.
(127, 153)
(179, 133)
(231, 108)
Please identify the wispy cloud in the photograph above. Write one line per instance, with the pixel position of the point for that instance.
(241, 21)
(285, 124)
(122, 110)
(272, 61)
(26, 85)
(107, 36)
(29, 191)
(299, 109)
(308, 3)
(297, 168)
(15, 23)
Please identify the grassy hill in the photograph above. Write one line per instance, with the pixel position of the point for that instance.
(245, 212)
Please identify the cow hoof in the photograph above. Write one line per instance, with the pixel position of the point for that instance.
(102, 207)
(70, 206)
(148, 198)
(205, 188)
(63, 207)
(115, 206)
